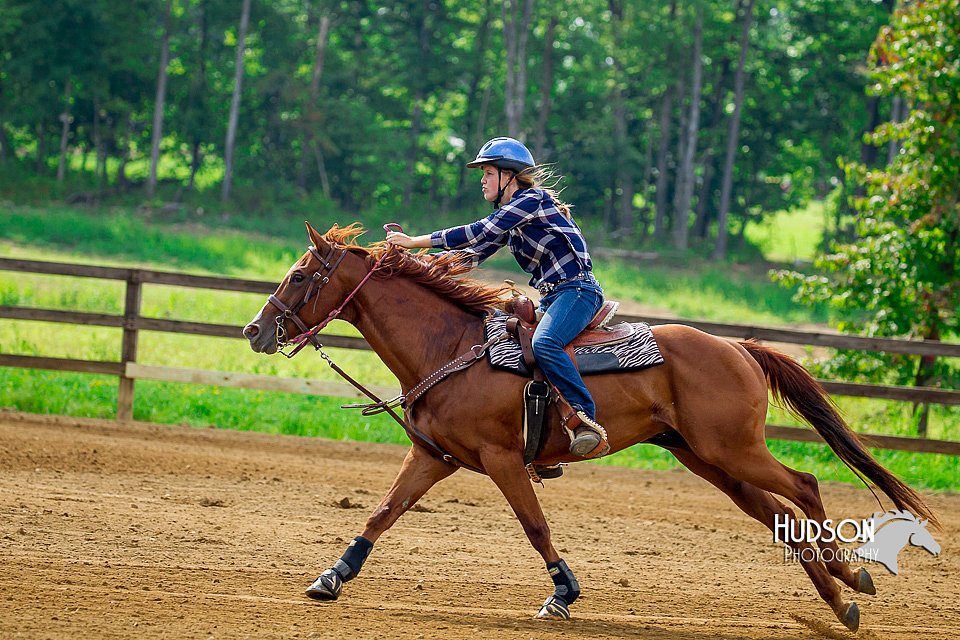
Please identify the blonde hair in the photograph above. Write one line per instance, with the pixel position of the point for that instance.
(545, 179)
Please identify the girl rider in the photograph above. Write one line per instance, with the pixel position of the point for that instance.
(547, 244)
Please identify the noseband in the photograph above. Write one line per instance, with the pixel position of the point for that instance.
(320, 278)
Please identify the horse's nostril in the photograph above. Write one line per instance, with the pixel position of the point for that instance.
(251, 331)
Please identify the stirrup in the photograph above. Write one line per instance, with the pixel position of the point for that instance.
(591, 442)
(541, 472)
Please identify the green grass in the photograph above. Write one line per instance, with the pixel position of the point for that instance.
(790, 236)
(242, 248)
(704, 291)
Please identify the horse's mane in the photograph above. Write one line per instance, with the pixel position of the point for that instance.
(441, 273)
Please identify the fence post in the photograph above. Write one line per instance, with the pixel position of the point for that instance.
(128, 353)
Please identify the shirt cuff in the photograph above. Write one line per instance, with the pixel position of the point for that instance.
(436, 240)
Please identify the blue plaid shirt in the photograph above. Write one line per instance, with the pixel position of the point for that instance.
(545, 244)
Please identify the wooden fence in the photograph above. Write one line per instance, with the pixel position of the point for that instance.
(132, 322)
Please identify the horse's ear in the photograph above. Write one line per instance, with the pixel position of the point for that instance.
(315, 238)
(923, 522)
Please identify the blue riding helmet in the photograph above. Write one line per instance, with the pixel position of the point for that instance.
(504, 153)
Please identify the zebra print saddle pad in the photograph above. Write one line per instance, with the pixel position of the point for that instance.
(639, 351)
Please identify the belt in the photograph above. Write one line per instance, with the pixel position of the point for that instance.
(547, 287)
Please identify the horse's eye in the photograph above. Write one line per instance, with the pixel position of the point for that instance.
(296, 278)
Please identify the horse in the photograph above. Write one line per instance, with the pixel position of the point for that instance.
(892, 532)
(706, 405)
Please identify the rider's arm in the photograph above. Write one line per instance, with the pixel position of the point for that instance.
(492, 229)
(409, 242)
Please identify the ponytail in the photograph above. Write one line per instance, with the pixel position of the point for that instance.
(545, 179)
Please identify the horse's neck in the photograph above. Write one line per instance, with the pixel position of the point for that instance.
(413, 330)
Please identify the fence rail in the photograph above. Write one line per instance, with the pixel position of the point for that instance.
(128, 370)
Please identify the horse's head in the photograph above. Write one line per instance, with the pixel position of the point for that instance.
(920, 537)
(305, 297)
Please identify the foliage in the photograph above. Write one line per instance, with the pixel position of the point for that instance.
(409, 90)
(901, 275)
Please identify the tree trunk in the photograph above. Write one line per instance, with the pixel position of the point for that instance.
(64, 130)
(198, 89)
(475, 125)
(681, 228)
(701, 223)
(416, 122)
(704, 210)
(663, 145)
(645, 189)
(621, 137)
(898, 113)
(733, 137)
(546, 90)
(416, 116)
(4, 142)
(158, 102)
(41, 158)
(925, 374)
(123, 148)
(663, 149)
(312, 123)
(624, 169)
(100, 166)
(515, 35)
(869, 151)
(235, 102)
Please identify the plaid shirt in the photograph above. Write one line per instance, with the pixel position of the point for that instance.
(545, 244)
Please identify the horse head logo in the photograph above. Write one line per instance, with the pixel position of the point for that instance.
(892, 531)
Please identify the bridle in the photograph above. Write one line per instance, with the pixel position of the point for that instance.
(319, 279)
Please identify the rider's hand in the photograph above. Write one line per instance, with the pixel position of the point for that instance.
(400, 239)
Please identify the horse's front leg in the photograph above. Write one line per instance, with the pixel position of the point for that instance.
(419, 472)
(505, 468)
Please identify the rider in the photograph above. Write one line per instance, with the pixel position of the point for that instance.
(548, 244)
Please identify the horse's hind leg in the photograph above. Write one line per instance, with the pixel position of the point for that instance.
(505, 468)
(419, 472)
(763, 506)
(755, 464)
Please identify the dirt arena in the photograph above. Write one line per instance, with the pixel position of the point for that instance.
(143, 531)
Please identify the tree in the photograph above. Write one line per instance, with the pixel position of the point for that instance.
(516, 29)
(310, 147)
(733, 136)
(160, 98)
(901, 276)
(235, 102)
(681, 227)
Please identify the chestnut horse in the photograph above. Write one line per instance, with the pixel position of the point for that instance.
(707, 405)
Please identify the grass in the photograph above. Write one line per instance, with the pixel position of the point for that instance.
(241, 248)
(790, 236)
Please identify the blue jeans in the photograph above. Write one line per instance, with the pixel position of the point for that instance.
(567, 310)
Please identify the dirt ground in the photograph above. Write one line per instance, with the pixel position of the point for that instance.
(137, 530)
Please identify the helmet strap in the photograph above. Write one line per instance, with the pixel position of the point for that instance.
(500, 189)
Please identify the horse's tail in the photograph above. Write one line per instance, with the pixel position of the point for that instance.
(796, 390)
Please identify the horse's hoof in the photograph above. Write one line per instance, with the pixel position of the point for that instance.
(326, 587)
(865, 582)
(554, 608)
(850, 616)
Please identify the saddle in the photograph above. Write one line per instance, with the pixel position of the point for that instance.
(524, 322)
(538, 393)
(596, 332)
